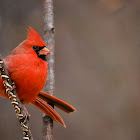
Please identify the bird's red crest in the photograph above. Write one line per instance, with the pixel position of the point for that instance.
(34, 37)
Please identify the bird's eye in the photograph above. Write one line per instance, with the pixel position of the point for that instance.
(34, 47)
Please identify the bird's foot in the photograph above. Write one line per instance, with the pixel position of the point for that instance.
(26, 114)
(13, 87)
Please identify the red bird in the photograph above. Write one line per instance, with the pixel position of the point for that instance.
(27, 66)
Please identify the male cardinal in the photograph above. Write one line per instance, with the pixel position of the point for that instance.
(27, 66)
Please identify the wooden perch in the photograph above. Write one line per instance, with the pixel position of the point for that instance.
(20, 110)
(50, 84)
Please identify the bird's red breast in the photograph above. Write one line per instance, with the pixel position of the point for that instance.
(29, 74)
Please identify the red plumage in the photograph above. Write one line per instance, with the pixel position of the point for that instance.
(27, 67)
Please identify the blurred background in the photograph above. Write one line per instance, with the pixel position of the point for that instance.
(97, 66)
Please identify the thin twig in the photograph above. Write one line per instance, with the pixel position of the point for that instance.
(19, 108)
(50, 84)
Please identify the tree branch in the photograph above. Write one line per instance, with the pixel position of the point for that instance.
(19, 108)
(50, 84)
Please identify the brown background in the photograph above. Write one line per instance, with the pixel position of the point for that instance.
(97, 66)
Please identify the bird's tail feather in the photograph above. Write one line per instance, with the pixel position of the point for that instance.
(48, 110)
(57, 102)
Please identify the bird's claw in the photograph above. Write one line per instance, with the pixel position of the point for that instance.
(13, 87)
(26, 114)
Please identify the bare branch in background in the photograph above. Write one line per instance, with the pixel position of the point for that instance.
(50, 84)
(20, 110)
(0, 22)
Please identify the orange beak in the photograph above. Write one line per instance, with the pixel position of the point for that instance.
(44, 51)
